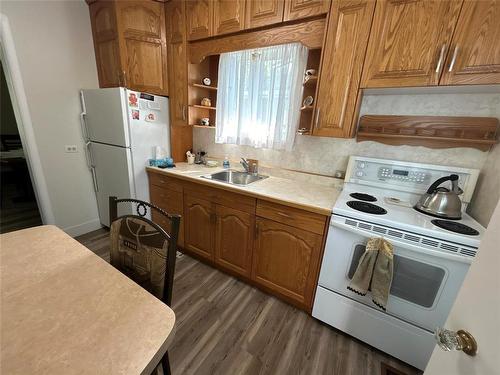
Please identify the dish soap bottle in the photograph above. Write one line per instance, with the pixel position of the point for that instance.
(225, 163)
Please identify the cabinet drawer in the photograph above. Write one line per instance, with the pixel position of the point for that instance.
(161, 180)
(294, 217)
(223, 197)
(168, 199)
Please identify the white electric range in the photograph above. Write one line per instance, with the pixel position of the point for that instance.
(430, 262)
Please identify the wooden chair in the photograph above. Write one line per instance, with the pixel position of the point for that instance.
(143, 251)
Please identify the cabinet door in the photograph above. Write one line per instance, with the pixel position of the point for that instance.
(107, 52)
(296, 9)
(286, 260)
(199, 19)
(263, 13)
(172, 202)
(474, 56)
(199, 226)
(342, 64)
(143, 45)
(409, 41)
(229, 16)
(177, 62)
(234, 240)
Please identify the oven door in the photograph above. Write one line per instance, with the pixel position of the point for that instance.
(425, 282)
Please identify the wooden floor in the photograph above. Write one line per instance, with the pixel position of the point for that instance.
(16, 215)
(225, 326)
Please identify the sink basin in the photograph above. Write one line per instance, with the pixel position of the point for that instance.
(235, 177)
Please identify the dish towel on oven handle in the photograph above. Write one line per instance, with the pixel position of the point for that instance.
(374, 272)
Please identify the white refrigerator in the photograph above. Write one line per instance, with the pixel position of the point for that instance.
(122, 129)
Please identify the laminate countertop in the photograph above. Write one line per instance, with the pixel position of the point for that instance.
(66, 311)
(305, 195)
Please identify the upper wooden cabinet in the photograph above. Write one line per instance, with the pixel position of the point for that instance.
(229, 16)
(296, 9)
(130, 44)
(180, 134)
(474, 56)
(107, 51)
(263, 12)
(409, 42)
(199, 19)
(207, 18)
(343, 55)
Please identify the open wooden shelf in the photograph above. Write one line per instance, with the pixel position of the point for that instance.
(429, 131)
(203, 107)
(311, 81)
(200, 86)
(202, 126)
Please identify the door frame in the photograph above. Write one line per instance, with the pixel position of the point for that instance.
(19, 101)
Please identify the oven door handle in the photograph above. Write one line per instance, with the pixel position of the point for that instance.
(395, 242)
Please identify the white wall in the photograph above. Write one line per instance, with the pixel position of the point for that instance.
(326, 155)
(53, 41)
(488, 188)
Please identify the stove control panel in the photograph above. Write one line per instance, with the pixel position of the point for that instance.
(407, 176)
(401, 174)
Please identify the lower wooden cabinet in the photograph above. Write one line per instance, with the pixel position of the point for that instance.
(172, 202)
(273, 246)
(234, 240)
(286, 260)
(199, 226)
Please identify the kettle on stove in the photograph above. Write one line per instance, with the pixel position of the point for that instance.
(442, 202)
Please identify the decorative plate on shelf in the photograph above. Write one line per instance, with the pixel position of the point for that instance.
(308, 101)
(207, 81)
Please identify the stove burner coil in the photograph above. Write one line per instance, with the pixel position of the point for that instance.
(453, 226)
(366, 207)
(363, 197)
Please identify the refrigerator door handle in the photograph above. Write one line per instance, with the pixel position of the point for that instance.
(88, 154)
(94, 178)
(83, 124)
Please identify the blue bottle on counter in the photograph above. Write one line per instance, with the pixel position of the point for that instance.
(225, 163)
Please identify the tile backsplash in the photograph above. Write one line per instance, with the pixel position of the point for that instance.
(326, 155)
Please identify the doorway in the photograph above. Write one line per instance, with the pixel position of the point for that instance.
(18, 205)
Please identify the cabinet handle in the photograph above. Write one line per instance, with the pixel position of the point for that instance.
(184, 112)
(452, 63)
(316, 123)
(124, 75)
(283, 214)
(440, 61)
(256, 232)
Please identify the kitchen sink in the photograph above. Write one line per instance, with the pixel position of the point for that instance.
(235, 177)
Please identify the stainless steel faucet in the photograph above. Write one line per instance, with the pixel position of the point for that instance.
(245, 165)
(250, 168)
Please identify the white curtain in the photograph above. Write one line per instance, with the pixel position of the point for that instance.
(259, 96)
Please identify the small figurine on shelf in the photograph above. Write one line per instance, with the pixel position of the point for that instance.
(206, 102)
(308, 74)
(205, 121)
(206, 81)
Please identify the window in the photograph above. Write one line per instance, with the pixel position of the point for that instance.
(259, 96)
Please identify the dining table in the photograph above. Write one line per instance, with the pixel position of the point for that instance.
(64, 310)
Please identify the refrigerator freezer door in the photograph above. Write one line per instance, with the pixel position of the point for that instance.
(149, 127)
(114, 177)
(105, 116)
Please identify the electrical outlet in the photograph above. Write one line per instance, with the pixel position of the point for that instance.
(70, 148)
